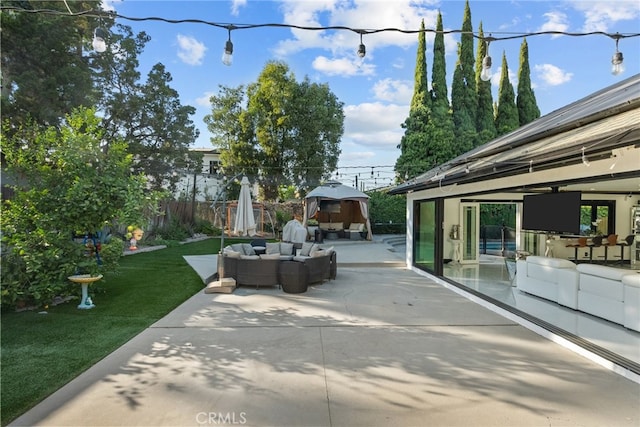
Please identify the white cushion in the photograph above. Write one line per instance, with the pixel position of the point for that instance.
(632, 280)
(270, 256)
(318, 253)
(249, 257)
(550, 262)
(232, 254)
(301, 258)
(356, 226)
(324, 225)
(337, 226)
(602, 271)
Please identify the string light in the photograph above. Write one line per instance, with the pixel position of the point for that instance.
(617, 66)
(617, 60)
(485, 75)
(227, 54)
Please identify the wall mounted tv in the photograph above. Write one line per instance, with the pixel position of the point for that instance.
(557, 212)
(330, 206)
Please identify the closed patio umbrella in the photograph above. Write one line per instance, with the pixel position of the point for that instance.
(245, 224)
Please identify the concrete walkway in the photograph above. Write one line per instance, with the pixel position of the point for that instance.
(378, 346)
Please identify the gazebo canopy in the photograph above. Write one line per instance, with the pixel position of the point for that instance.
(335, 191)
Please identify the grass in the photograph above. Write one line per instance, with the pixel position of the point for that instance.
(43, 352)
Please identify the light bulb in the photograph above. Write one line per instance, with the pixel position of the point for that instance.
(617, 65)
(227, 55)
(99, 45)
(485, 75)
(362, 50)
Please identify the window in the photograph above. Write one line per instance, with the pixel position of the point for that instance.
(597, 217)
(213, 167)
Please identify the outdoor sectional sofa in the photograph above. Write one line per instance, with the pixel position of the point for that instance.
(251, 269)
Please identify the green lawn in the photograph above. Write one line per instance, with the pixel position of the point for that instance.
(42, 352)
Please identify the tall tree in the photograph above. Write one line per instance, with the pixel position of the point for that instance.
(45, 62)
(507, 113)
(288, 133)
(147, 114)
(463, 91)
(528, 109)
(164, 132)
(485, 124)
(413, 145)
(439, 91)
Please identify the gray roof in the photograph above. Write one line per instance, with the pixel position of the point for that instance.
(333, 190)
(552, 140)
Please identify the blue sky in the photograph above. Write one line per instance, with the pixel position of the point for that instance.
(376, 91)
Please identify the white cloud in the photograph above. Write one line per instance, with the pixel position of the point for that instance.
(342, 67)
(110, 5)
(555, 21)
(399, 91)
(375, 125)
(190, 50)
(552, 75)
(401, 14)
(600, 15)
(203, 101)
(236, 5)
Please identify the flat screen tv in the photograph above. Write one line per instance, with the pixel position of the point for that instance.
(330, 206)
(552, 212)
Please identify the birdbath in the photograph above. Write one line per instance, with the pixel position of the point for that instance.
(85, 280)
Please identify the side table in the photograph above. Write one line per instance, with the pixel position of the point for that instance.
(294, 277)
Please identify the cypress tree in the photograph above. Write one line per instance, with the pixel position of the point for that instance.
(441, 138)
(528, 109)
(507, 114)
(412, 160)
(463, 92)
(484, 121)
(439, 91)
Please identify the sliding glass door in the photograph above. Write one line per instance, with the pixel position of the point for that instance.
(427, 235)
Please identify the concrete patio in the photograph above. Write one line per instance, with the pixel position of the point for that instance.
(378, 346)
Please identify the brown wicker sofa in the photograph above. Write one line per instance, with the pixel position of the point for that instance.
(263, 270)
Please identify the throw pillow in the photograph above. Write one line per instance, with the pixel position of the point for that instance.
(355, 226)
(238, 248)
(248, 249)
(318, 253)
(330, 250)
(270, 256)
(315, 248)
(286, 248)
(306, 248)
(273, 248)
(232, 254)
(249, 257)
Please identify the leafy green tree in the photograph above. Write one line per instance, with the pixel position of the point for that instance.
(384, 207)
(413, 159)
(46, 62)
(69, 185)
(147, 114)
(439, 91)
(164, 132)
(463, 90)
(485, 124)
(528, 109)
(280, 131)
(507, 112)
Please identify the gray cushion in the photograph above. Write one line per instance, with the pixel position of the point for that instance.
(286, 248)
(306, 248)
(248, 249)
(238, 248)
(273, 248)
(249, 256)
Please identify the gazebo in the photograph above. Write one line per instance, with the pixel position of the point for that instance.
(335, 202)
